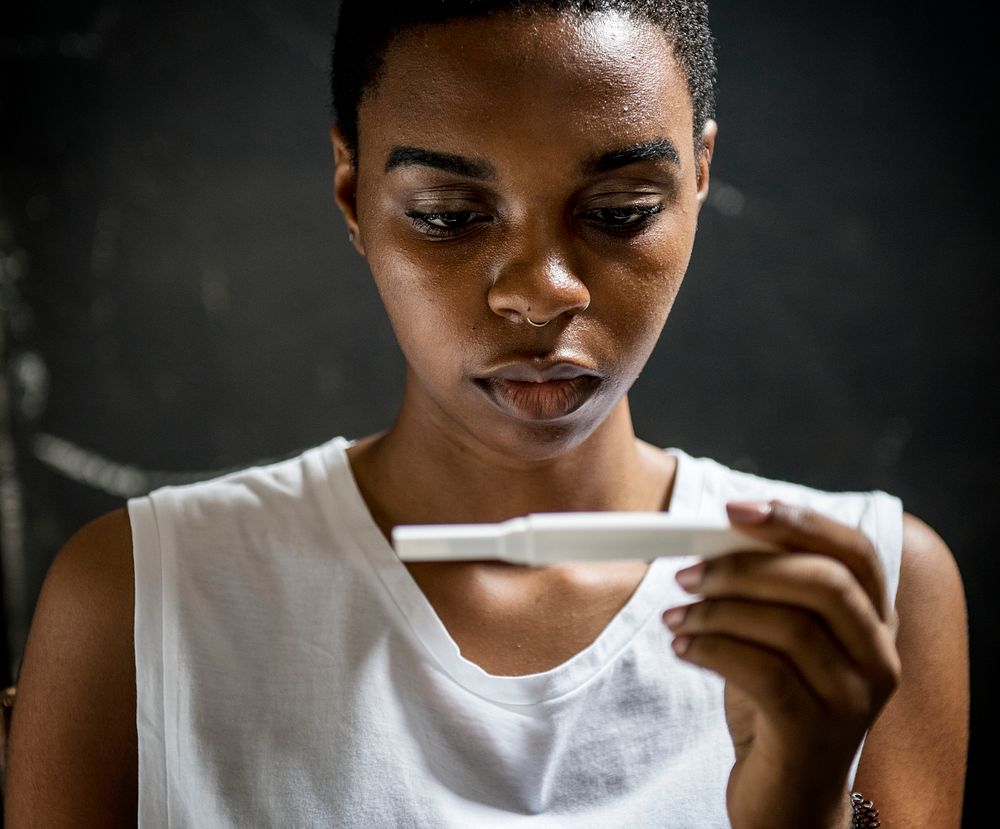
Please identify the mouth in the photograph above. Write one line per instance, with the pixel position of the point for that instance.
(539, 393)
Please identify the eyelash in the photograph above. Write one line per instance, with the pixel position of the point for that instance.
(422, 222)
(640, 214)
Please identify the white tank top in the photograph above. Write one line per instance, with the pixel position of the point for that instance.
(290, 673)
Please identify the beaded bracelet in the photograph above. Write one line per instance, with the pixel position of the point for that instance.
(865, 813)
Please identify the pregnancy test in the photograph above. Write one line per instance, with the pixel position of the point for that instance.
(556, 537)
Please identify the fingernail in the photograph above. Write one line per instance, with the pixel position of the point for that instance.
(690, 577)
(681, 644)
(674, 617)
(749, 512)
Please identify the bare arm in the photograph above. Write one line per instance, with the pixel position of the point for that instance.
(914, 759)
(72, 752)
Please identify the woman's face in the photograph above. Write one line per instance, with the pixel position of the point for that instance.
(520, 168)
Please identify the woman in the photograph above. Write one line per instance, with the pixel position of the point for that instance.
(524, 180)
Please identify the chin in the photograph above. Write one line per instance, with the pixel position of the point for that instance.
(540, 440)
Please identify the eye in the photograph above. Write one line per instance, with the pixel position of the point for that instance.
(623, 220)
(446, 223)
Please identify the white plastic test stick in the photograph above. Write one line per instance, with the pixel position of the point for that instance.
(552, 538)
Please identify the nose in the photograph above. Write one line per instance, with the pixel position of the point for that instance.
(537, 288)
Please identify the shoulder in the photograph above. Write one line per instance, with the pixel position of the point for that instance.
(928, 564)
(930, 601)
(72, 752)
(91, 576)
(100, 550)
(930, 604)
(267, 486)
(933, 621)
(876, 513)
(716, 478)
(90, 581)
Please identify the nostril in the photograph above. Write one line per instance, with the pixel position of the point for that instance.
(538, 303)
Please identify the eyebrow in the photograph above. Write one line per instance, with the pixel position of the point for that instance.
(659, 149)
(449, 162)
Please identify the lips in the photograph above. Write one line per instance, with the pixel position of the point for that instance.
(539, 391)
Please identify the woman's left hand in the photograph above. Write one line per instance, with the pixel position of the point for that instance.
(805, 641)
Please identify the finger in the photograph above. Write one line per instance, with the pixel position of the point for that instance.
(802, 529)
(810, 582)
(796, 635)
(768, 679)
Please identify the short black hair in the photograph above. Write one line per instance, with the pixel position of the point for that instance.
(366, 29)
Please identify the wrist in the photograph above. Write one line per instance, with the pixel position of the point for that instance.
(793, 808)
(852, 811)
(839, 815)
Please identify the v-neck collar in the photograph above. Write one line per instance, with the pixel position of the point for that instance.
(352, 514)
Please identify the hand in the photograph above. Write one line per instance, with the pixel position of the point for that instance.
(805, 641)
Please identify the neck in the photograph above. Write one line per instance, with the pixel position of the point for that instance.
(422, 472)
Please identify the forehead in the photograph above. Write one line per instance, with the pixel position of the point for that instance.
(511, 80)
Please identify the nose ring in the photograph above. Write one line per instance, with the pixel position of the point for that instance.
(536, 324)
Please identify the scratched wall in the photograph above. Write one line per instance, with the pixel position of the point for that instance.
(178, 296)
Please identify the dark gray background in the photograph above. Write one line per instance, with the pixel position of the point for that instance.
(179, 296)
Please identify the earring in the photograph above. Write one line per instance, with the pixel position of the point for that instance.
(350, 236)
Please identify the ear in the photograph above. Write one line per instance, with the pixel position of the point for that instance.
(704, 160)
(345, 186)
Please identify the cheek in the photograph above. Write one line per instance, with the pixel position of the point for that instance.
(430, 309)
(423, 297)
(640, 287)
